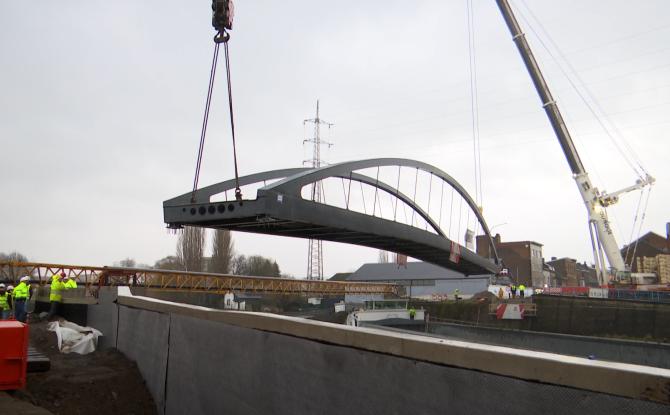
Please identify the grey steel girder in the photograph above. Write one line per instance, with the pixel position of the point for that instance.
(279, 209)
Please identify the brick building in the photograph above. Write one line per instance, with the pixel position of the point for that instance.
(648, 245)
(570, 273)
(523, 259)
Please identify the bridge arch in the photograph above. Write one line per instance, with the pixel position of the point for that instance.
(196, 208)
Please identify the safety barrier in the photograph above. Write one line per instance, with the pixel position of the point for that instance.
(655, 296)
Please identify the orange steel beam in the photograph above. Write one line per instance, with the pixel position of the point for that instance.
(93, 277)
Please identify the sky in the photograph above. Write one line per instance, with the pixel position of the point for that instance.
(101, 105)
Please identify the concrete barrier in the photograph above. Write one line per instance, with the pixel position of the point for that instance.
(212, 361)
(615, 350)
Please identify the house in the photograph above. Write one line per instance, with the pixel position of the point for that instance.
(570, 273)
(422, 279)
(649, 245)
(340, 276)
(522, 259)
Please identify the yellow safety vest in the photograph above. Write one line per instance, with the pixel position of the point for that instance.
(70, 284)
(21, 291)
(4, 304)
(56, 287)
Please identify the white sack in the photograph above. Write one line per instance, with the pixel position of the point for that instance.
(74, 338)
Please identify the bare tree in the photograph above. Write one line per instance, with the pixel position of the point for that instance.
(222, 252)
(13, 257)
(14, 272)
(256, 265)
(190, 248)
(127, 263)
(383, 257)
(170, 262)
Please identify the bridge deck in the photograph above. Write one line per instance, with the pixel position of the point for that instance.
(280, 214)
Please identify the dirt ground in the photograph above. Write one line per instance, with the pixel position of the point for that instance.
(101, 383)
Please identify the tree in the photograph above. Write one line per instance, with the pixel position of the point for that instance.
(222, 252)
(170, 262)
(190, 248)
(13, 257)
(127, 263)
(256, 265)
(15, 272)
(383, 257)
(239, 265)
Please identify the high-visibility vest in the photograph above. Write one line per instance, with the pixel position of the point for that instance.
(70, 284)
(21, 291)
(4, 301)
(522, 287)
(56, 287)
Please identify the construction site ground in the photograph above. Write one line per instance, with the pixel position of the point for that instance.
(103, 382)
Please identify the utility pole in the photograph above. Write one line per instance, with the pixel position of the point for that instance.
(315, 250)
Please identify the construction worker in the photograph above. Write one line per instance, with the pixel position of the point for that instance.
(512, 290)
(457, 294)
(56, 296)
(20, 296)
(10, 300)
(522, 288)
(4, 302)
(412, 313)
(69, 283)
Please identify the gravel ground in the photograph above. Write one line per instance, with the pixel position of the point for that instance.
(100, 383)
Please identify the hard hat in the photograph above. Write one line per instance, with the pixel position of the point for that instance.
(62, 273)
(25, 278)
(10, 287)
(2, 285)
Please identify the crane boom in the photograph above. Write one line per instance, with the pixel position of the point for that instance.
(595, 202)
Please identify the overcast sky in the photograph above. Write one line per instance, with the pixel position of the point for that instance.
(101, 104)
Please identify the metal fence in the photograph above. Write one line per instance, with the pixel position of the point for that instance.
(653, 296)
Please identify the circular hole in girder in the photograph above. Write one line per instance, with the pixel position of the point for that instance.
(202, 210)
(211, 209)
(221, 208)
(231, 207)
(192, 211)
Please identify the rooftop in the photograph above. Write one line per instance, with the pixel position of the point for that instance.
(413, 271)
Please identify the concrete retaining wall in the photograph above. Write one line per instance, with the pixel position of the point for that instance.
(104, 316)
(201, 361)
(625, 351)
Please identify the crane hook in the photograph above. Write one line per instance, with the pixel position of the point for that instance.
(222, 37)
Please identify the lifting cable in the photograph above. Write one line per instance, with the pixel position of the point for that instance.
(644, 213)
(203, 132)
(238, 192)
(632, 231)
(474, 106)
(221, 20)
(587, 97)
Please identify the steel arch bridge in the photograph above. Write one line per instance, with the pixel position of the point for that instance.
(280, 209)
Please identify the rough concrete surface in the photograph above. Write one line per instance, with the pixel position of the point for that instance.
(616, 350)
(219, 368)
(606, 377)
(232, 362)
(143, 337)
(103, 315)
